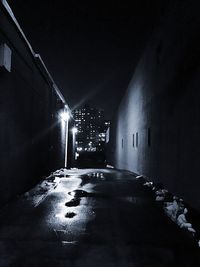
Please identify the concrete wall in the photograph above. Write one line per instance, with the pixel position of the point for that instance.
(30, 132)
(163, 101)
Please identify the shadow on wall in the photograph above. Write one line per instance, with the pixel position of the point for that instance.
(156, 131)
(29, 103)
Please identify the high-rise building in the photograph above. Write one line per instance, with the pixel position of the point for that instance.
(90, 124)
(103, 133)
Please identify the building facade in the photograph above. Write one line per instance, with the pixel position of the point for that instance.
(31, 143)
(156, 129)
(90, 123)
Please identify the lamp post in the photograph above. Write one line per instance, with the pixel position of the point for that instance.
(65, 117)
(74, 132)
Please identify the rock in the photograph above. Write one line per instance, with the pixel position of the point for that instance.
(183, 223)
(139, 177)
(148, 184)
(171, 209)
(160, 198)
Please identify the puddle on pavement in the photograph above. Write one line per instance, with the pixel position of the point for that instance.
(85, 180)
(92, 178)
(65, 236)
(64, 243)
(73, 203)
(70, 214)
(63, 175)
(81, 193)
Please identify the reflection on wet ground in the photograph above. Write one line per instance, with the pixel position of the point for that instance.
(82, 193)
(92, 218)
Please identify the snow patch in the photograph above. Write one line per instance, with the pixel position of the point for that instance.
(174, 209)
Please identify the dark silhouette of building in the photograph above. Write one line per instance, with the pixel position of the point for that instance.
(30, 102)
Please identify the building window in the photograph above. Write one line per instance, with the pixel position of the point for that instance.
(122, 142)
(136, 139)
(149, 137)
(133, 140)
(5, 57)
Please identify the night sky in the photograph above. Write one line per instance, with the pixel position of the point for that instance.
(90, 48)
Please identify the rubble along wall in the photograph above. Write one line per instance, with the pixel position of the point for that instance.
(162, 107)
(30, 134)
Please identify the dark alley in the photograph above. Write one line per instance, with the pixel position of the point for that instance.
(92, 217)
(99, 136)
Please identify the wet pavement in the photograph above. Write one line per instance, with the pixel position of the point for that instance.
(106, 219)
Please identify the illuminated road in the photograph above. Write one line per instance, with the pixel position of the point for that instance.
(106, 219)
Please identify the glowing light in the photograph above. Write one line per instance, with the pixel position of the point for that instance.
(64, 116)
(74, 130)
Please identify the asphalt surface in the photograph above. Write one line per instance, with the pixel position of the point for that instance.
(106, 219)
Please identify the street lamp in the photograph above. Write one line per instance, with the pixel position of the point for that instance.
(74, 132)
(65, 117)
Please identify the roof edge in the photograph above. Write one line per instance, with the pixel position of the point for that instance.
(36, 56)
